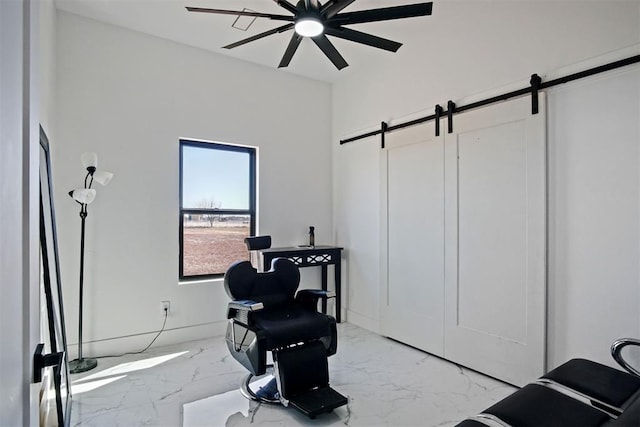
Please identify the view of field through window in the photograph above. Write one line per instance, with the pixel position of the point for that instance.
(211, 243)
(217, 189)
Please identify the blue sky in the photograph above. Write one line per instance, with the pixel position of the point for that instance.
(217, 175)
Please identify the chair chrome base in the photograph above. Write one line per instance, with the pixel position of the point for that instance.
(267, 391)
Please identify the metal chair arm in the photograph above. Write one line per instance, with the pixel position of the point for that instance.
(616, 352)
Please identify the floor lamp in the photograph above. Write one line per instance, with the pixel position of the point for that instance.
(84, 196)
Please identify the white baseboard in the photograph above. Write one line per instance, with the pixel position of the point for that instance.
(138, 342)
(132, 343)
(365, 322)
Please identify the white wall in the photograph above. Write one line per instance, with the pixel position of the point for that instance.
(14, 249)
(594, 214)
(20, 113)
(479, 49)
(47, 65)
(130, 97)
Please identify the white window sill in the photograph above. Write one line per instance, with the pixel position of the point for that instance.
(201, 282)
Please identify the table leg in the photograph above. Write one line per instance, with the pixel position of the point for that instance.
(324, 287)
(338, 277)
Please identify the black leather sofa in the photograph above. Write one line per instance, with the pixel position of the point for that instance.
(579, 393)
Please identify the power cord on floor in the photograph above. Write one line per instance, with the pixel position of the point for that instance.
(166, 314)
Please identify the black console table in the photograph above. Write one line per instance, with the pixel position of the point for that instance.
(307, 256)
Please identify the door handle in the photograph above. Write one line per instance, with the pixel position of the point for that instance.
(41, 361)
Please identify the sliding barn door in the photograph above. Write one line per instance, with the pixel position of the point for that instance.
(412, 197)
(495, 241)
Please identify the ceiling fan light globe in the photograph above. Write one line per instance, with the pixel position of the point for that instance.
(309, 27)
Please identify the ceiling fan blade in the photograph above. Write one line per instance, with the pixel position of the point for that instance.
(383, 14)
(285, 4)
(364, 38)
(333, 7)
(259, 36)
(241, 12)
(291, 49)
(330, 50)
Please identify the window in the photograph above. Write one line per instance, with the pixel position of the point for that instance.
(217, 206)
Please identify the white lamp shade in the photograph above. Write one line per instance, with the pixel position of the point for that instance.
(102, 177)
(83, 195)
(89, 160)
(309, 27)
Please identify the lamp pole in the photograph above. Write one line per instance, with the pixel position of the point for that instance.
(81, 364)
(84, 196)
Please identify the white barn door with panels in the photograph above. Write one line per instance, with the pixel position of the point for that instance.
(412, 309)
(464, 240)
(495, 241)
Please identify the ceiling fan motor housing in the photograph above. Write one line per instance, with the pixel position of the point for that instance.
(308, 22)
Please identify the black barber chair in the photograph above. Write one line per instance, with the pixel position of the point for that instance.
(266, 314)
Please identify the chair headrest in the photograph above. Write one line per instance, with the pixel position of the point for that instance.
(257, 242)
(272, 288)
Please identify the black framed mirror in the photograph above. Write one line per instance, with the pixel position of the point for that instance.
(53, 327)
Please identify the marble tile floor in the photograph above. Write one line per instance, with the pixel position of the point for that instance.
(197, 384)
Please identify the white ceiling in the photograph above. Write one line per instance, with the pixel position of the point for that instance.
(170, 20)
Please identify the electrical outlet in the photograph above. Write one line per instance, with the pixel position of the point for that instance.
(165, 306)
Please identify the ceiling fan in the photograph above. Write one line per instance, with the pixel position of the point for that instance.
(315, 20)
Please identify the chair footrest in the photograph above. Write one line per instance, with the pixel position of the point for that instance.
(318, 401)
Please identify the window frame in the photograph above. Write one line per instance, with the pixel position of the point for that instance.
(182, 211)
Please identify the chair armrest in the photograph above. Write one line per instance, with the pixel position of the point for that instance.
(316, 294)
(309, 297)
(242, 307)
(616, 352)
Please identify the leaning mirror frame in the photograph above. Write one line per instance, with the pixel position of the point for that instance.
(55, 332)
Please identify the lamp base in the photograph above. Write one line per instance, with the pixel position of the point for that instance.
(82, 365)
